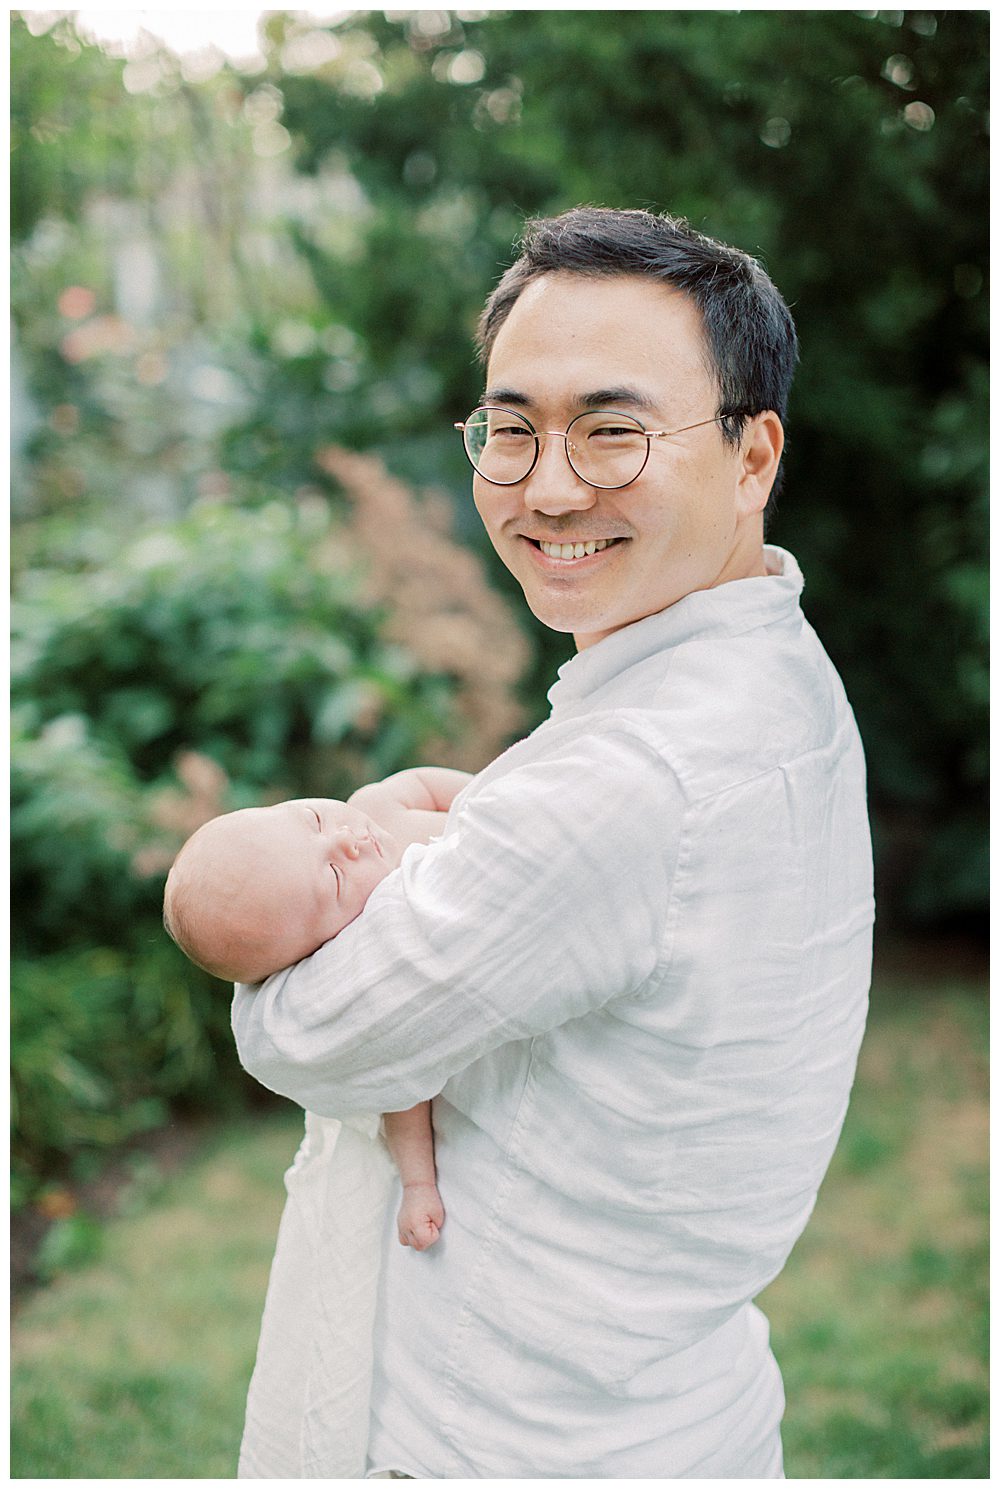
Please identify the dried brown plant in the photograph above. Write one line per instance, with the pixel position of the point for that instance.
(174, 814)
(440, 609)
(440, 605)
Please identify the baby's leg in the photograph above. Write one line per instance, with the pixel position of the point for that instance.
(411, 1143)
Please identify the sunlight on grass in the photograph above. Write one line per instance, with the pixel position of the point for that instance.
(136, 1365)
(879, 1320)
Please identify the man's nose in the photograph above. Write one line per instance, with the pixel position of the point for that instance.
(554, 486)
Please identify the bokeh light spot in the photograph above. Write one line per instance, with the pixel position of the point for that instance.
(899, 70)
(776, 133)
(310, 51)
(75, 302)
(919, 116)
(270, 139)
(467, 67)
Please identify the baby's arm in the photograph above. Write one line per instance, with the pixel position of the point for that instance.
(411, 1143)
(412, 804)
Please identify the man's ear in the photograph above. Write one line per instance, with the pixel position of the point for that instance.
(760, 450)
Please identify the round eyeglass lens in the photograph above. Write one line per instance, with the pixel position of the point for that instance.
(606, 448)
(500, 444)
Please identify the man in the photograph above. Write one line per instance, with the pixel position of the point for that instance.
(634, 970)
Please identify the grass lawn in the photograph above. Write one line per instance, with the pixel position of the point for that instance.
(879, 1320)
(135, 1365)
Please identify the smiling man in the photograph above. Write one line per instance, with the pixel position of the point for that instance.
(633, 972)
(690, 518)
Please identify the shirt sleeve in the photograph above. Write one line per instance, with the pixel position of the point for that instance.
(548, 896)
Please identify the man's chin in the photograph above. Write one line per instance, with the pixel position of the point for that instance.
(552, 617)
(562, 611)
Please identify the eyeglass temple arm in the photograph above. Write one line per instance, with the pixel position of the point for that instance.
(649, 433)
(669, 433)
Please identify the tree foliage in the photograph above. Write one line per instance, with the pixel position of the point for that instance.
(846, 150)
(225, 280)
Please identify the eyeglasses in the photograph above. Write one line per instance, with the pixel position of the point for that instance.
(605, 448)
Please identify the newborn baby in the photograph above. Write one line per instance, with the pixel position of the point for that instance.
(253, 891)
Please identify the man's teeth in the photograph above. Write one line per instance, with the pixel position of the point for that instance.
(573, 550)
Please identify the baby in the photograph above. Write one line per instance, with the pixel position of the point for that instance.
(253, 891)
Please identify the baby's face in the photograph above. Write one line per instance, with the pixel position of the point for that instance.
(269, 885)
(325, 859)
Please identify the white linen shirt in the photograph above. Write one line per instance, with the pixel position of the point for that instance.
(633, 974)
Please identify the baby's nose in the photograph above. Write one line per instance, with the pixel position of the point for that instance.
(346, 839)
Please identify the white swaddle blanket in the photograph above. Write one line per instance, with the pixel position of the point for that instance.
(308, 1403)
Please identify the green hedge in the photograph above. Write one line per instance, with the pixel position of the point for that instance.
(103, 1041)
(227, 658)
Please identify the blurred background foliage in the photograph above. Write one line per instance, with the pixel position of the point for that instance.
(246, 561)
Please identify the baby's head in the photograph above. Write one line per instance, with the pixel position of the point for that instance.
(256, 890)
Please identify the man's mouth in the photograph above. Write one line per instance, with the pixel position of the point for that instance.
(581, 549)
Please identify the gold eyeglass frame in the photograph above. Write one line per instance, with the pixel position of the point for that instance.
(650, 434)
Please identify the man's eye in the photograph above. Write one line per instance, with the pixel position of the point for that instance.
(508, 431)
(612, 431)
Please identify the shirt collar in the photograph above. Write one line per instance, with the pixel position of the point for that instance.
(728, 610)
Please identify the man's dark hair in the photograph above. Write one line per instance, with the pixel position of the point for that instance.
(748, 327)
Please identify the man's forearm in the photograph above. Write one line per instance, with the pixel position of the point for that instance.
(496, 933)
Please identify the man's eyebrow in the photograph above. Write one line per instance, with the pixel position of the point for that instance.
(506, 398)
(616, 397)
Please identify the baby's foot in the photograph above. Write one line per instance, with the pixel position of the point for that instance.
(420, 1217)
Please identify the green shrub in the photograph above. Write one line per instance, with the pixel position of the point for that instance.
(102, 1040)
(234, 641)
(235, 656)
(76, 818)
(238, 633)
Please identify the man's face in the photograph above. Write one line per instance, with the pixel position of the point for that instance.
(689, 521)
